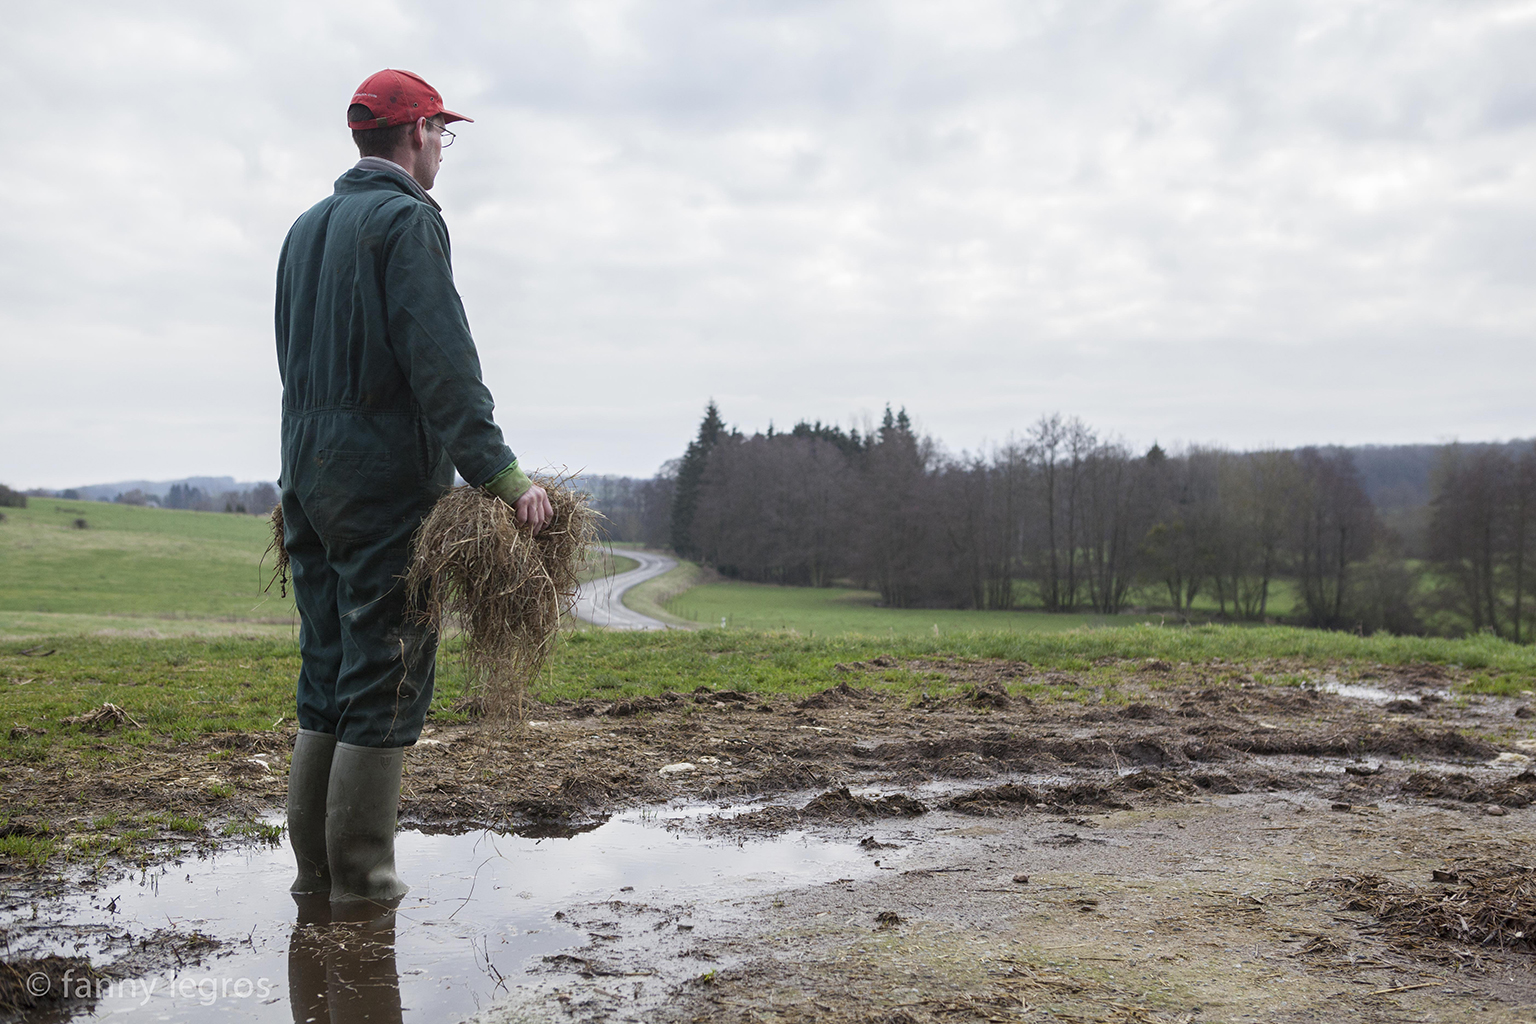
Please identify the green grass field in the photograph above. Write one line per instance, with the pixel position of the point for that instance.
(135, 562)
(180, 688)
(832, 610)
(161, 613)
(148, 572)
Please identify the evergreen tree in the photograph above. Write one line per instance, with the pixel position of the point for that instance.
(850, 443)
(685, 495)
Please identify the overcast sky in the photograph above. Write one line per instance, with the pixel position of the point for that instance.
(1249, 223)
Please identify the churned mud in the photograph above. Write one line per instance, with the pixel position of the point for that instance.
(1196, 843)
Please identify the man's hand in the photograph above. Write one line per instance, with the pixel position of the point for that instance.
(533, 508)
(530, 503)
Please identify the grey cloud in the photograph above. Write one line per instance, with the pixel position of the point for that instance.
(1250, 222)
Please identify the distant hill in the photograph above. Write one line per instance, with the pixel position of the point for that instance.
(160, 488)
(1399, 477)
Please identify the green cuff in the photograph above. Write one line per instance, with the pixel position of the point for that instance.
(509, 484)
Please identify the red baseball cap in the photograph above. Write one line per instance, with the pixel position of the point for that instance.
(398, 97)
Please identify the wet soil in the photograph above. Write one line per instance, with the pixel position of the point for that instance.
(1151, 852)
(1220, 728)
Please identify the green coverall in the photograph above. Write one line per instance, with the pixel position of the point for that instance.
(382, 399)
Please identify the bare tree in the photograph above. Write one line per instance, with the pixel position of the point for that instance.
(1115, 510)
(1178, 544)
(1484, 514)
(1059, 448)
(1336, 527)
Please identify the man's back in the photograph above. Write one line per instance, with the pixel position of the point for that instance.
(373, 346)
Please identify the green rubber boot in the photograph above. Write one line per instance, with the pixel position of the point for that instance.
(309, 778)
(361, 805)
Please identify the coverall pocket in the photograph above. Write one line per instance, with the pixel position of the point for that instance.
(358, 495)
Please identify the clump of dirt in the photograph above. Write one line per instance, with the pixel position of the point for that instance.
(837, 696)
(832, 807)
(1139, 712)
(32, 984)
(841, 804)
(997, 799)
(1487, 908)
(1517, 791)
(625, 708)
(1402, 741)
(1216, 782)
(1162, 785)
(39, 984)
(991, 695)
(1074, 797)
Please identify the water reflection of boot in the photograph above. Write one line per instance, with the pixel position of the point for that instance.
(306, 959)
(361, 977)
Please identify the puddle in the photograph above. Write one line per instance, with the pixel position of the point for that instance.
(1374, 694)
(480, 915)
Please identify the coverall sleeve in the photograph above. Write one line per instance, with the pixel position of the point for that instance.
(429, 335)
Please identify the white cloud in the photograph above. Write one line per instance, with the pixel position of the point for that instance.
(1246, 222)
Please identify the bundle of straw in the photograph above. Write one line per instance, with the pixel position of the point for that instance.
(281, 571)
(506, 586)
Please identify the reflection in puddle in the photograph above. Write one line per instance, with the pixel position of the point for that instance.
(1374, 694)
(343, 971)
(480, 909)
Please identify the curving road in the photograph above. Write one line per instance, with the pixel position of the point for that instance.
(601, 603)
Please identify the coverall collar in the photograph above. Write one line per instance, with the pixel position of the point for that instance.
(396, 173)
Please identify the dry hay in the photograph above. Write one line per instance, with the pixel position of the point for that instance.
(280, 573)
(506, 587)
(108, 716)
(1490, 907)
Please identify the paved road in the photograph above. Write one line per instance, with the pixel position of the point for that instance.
(601, 603)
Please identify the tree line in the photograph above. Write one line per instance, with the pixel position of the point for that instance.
(1064, 519)
(256, 500)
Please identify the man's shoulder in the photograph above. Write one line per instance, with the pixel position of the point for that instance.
(382, 207)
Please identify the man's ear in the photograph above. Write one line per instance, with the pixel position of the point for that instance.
(419, 134)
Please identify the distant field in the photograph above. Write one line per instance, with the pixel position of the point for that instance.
(831, 610)
(1284, 599)
(132, 561)
(148, 572)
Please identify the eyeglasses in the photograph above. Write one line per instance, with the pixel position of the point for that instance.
(448, 137)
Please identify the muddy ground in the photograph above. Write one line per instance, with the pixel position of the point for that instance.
(1205, 845)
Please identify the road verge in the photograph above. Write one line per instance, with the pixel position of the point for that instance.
(650, 597)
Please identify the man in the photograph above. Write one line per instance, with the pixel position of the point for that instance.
(382, 399)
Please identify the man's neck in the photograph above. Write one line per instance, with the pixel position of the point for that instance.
(397, 165)
(383, 163)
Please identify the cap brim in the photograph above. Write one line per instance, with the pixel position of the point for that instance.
(449, 117)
